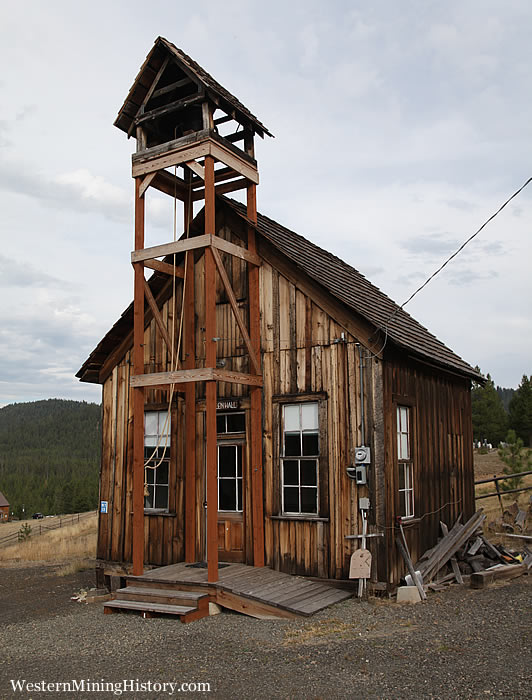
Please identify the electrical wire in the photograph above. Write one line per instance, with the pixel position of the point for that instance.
(437, 272)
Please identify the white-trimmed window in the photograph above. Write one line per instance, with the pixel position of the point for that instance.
(156, 459)
(230, 478)
(300, 458)
(404, 462)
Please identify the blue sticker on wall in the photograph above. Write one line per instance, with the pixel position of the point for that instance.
(103, 506)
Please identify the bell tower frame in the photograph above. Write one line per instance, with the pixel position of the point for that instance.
(176, 110)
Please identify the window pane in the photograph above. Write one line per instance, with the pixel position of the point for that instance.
(404, 452)
(150, 423)
(292, 444)
(310, 444)
(291, 500)
(226, 460)
(290, 476)
(402, 503)
(401, 476)
(236, 422)
(227, 494)
(148, 500)
(161, 496)
(291, 418)
(164, 426)
(309, 500)
(220, 424)
(309, 470)
(150, 475)
(309, 416)
(161, 474)
(410, 502)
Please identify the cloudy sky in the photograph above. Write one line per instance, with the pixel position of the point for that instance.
(400, 127)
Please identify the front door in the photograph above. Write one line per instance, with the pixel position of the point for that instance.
(231, 442)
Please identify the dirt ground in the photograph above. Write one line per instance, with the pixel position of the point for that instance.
(461, 643)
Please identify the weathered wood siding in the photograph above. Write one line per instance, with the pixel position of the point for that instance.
(442, 452)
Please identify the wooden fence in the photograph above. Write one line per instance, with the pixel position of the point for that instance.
(39, 527)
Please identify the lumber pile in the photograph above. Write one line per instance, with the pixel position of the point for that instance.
(464, 552)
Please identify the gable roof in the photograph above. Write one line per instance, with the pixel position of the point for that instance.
(3, 501)
(162, 47)
(338, 278)
(349, 286)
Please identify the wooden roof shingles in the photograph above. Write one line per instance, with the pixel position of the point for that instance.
(149, 69)
(3, 501)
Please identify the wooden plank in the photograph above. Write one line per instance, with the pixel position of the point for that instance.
(250, 607)
(172, 157)
(196, 168)
(182, 376)
(153, 86)
(170, 184)
(223, 188)
(501, 572)
(227, 375)
(236, 250)
(210, 391)
(168, 269)
(172, 86)
(174, 247)
(236, 311)
(171, 107)
(454, 564)
(223, 154)
(146, 182)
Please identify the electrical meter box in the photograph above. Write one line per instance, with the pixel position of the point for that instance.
(362, 455)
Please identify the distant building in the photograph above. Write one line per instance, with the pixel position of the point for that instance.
(4, 509)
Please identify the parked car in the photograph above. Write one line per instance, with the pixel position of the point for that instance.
(37, 516)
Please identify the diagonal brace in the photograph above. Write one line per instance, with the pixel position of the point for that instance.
(236, 311)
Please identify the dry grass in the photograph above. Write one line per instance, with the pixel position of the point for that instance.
(72, 543)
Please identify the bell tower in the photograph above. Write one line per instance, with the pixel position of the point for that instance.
(177, 112)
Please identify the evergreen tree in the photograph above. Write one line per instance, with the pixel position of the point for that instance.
(490, 421)
(517, 459)
(521, 410)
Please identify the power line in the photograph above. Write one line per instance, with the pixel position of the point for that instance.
(451, 257)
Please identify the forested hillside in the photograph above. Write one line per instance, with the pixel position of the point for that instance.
(50, 456)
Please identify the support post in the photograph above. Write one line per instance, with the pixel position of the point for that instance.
(210, 361)
(138, 392)
(190, 390)
(256, 392)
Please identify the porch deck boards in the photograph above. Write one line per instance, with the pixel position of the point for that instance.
(260, 584)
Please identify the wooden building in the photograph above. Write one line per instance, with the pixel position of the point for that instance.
(262, 400)
(4, 509)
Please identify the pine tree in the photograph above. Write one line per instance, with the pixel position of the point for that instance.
(490, 421)
(521, 410)
(517, 459)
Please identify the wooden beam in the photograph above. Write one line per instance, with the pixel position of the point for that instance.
(170, 157)
(175, 247)
(222, 153)
(169, 184)
(219, 176)
(256, 393)
(180, 376)
(157, 317)
(138, 393)
(223, 120)
(196, 168)
(184, 244)
(172, 107)
(189, 346)
(224, 188)
(146, 183)
(236, 250)
(152, 87)
(236, 311)
(172, 86)
(210, 390)
(237, 136)
(168, 269)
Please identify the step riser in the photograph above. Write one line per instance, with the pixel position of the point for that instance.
(174, 600)
(169, 586)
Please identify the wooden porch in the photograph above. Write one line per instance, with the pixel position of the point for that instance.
(256, 591)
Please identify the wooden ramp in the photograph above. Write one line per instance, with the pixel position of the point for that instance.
(259, 592)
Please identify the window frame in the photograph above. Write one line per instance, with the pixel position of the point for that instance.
(167, 460)
(406, 506)
(279, 401)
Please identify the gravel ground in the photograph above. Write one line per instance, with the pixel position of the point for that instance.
(459, 644)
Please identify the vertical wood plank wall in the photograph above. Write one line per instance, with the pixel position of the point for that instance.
(303, 352)
(442, 453)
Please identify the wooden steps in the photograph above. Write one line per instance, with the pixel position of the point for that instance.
(151, 601)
